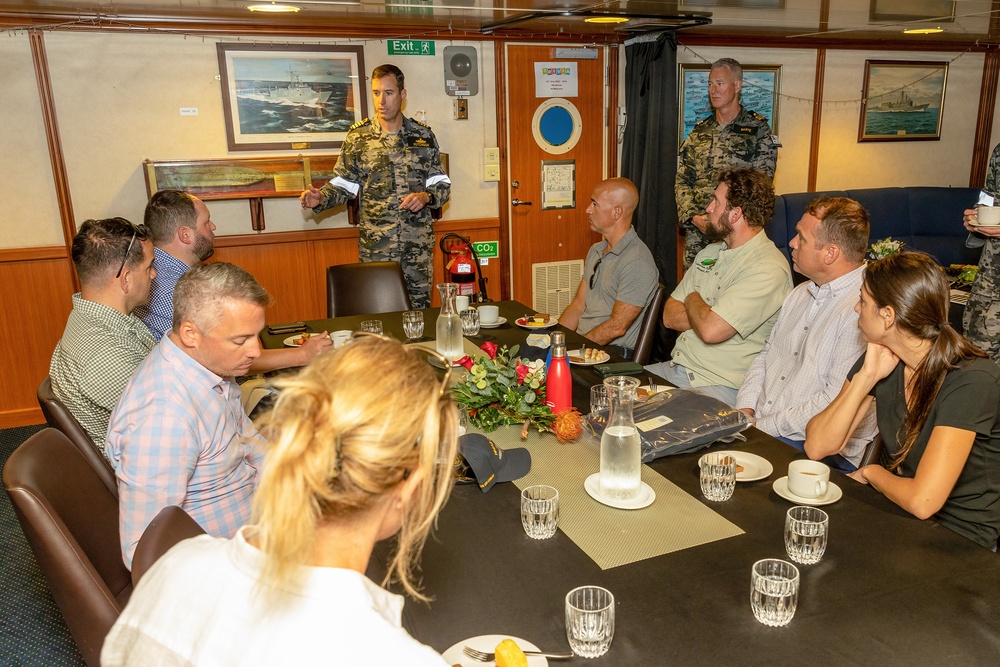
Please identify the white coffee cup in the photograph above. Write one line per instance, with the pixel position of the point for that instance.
(988, 216)
(488, 314)
(808, 479)
(341, 337)
(461, 302)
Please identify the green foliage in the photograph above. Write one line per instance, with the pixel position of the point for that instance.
(493, 396)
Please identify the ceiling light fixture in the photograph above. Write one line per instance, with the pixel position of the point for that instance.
(922, 31)
(606, 19)
(273, 8)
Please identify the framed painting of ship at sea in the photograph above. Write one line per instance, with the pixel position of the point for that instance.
(291, 97)
(902, 100)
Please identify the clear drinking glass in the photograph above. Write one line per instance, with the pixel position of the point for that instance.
(590, 620)
(540, 511)
(718, 476)
(413, 324)
(372, 326)
(470, 322)
(806, 533)
(774, 591)
(598, 398)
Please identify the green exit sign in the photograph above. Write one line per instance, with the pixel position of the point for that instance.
(487, 249)
(411, 47)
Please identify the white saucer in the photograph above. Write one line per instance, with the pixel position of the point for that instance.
(976, 223)
(754, 467)
(644, 499)
(576, 360)
(833, 494)
(290, 341)
(548, 325)
(488, 643)
(500, 322)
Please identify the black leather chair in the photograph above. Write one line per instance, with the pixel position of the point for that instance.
(365, 288)
(71, 522)
(170, 526)
(58, 416)
(647, 330)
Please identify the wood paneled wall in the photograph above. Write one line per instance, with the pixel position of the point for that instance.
(36, 285)
(35, 289)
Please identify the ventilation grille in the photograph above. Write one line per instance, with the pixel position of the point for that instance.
(554, 284)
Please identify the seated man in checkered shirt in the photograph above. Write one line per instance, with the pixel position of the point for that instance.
(179, 435)
(104, 341)
(816, 339)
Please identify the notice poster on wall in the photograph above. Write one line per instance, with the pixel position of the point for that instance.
(558, 184)
(556, 80)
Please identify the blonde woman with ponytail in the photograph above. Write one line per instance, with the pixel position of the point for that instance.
(362, 442)
(936, 399)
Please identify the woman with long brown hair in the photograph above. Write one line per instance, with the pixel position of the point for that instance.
(362, 442)
(937, 399)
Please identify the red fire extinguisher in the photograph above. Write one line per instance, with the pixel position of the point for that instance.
(461, 268)
(461, 265)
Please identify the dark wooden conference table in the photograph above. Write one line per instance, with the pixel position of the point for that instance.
(890, 590)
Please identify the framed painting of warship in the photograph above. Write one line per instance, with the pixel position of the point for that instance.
(902, 100)
(291, 97)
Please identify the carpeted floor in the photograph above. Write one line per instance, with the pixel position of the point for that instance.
(32, 631)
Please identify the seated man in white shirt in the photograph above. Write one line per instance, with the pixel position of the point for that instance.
(816, 339)
(620, 275)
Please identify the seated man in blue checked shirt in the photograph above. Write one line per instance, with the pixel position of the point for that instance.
(816, 339)
(179, 435)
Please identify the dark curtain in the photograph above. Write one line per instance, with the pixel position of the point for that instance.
(649, 153)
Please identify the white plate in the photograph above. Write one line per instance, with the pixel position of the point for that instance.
(548, 325)
(488, 643)
(574, 358)
(754, 467)
(659, 389)
(833, 494)
(290, 341)
(500, 322)
(644, 499)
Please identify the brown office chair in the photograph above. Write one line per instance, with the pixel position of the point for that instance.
(873, 452)
(58, 416)
(71, 522)
(647, 330)
(167, 528)
(366, 287)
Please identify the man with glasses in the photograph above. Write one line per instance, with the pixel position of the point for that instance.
(184, 236)
(620, 275)
(104, 341)
(179, 435)
(727, 302)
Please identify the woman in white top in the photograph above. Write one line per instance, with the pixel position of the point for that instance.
(362, 442)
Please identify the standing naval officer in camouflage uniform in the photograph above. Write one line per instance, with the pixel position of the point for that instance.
(981, 320)
(395, 163)
(730, 138)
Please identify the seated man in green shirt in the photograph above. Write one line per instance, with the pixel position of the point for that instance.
(104, 341)
(728, 301)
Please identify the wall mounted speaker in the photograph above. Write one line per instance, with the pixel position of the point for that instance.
(461, 70)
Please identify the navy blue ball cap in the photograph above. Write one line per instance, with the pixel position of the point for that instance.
(491, 464)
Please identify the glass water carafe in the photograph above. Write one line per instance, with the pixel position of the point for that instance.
(449, 324)
(621, 452)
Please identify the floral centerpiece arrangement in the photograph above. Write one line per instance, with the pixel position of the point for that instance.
(884, 248)
(503, 389)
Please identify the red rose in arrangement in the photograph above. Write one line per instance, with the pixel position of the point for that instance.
(490, 348)
(465, 362)
(522, 372)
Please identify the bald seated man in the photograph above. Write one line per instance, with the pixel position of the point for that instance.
(619, 275)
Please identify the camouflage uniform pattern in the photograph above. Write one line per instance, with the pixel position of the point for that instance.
(710, 148)
(981, 320)
(387, 167)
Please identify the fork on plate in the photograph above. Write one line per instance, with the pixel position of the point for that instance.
(482, 656)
